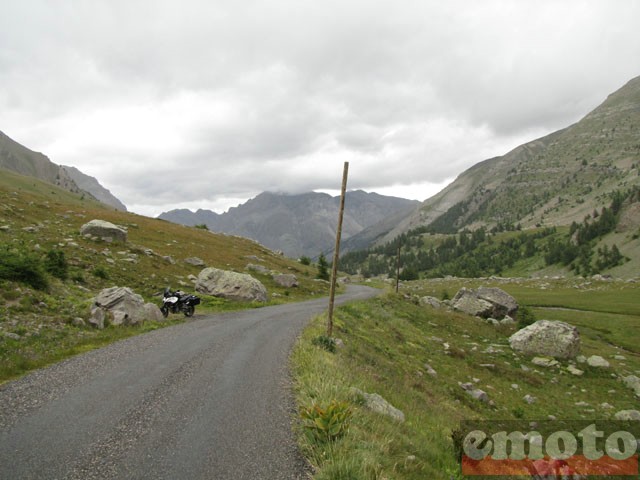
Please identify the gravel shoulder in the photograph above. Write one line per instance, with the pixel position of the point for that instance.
(206, 399)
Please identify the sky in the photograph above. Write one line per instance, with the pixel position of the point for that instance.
(206, 103)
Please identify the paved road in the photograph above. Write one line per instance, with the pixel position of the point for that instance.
(205, 399)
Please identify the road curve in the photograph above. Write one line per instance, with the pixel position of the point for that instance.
(208, 399)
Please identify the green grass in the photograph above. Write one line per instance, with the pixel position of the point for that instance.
(37, 218)
(389, 339)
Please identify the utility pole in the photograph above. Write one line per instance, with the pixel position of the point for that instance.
(398, 267)
(336, 251)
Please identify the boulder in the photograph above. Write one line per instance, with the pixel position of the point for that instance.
(485, 302)
(376, 403)
(195, 261)
(633, 383)
(258, 268)
(430, 301)
(230, 285)
(467, 302)
(104, 230)
(627, 415)
(547, 337)
(122, 306)
(287, 280)
(597, 361)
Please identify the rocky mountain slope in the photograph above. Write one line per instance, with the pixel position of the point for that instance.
(20, 159)
(298, 225)
(554, 180)
(91, 185)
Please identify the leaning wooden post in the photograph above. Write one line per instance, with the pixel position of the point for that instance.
(336, 251)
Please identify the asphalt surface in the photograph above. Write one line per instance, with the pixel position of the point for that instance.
(208, 399)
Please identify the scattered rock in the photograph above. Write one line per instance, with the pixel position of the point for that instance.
(195, 261)
(545, 362)
(628, 415)
(573, 370)
(547, 337)
(529, 399)
(376, 403)
(258, 268)
(507, 320)
(12, 336)
(104, 230)
(78, 322)
(633, 383)
(230, 285)
(430, 301)
(597, 361)
(430, 370)
(286, 280)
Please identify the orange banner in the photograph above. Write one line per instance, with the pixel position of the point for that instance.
(576, 465)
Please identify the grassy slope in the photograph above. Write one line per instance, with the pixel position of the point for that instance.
(389, 339)
(54, 216)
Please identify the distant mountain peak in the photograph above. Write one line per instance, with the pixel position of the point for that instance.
(297, 224)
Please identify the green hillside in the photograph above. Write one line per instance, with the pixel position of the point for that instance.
(418, 358)
(546, 190)
(40, 223)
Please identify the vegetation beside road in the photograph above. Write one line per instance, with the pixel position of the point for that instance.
(389, 340)
(49, 272)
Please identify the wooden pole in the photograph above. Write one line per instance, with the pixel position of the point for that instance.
(336, 251)
(398, 268)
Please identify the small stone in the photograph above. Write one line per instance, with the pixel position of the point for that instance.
(597, 361)
(628, 415)
(574, 371)
(529, 399)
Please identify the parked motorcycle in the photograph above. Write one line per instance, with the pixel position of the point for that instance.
(178, 301)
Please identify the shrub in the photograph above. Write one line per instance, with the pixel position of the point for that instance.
(101, 272)
(304, 260)
(56, 264)
(323, 268)
(326, 424)
(202, 226)
(22, 266)
(328, 343)
(525, 316)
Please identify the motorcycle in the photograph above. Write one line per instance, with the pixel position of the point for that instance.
(178, 301)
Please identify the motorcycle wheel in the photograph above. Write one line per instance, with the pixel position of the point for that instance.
(165, 311)
(188, 310)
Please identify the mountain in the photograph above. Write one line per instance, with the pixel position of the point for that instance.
(552, 181)
(91, 185)
(303, 224)
(20, 159)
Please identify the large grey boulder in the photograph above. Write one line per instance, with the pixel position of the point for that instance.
(547, 337)
(485, 302)
(230, 285)
(121, 306)
(104, 230)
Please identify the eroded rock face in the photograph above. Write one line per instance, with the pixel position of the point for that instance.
(104, 230)
(230, 285)
(485, 302)
(546, 337)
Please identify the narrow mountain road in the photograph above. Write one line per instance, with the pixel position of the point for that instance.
(208, 399)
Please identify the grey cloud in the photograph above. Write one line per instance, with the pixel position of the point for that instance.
(233, 97)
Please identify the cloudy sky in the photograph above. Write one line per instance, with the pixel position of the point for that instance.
(206, 103)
